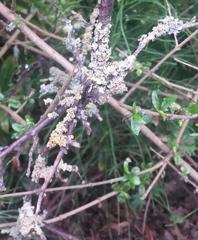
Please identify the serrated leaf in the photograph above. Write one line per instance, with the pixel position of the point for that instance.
(155, 100)
(193, 109)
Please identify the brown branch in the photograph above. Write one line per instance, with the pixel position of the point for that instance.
(155, 180)
(81, 186)
(37, 40)
(13, 114)
(169, 116)
(29, 134)
(48, 179)
(152, 137)
(146, 89)
(31, 48)
(156, 67)
(14, 36)
(43, 31)
(80, 209)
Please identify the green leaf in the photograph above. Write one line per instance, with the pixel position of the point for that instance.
(141, 189)
(126, 165)
(137, 121)
(177, 159)
(147, 118)
(134, 108)
(167, 103)
(139, 72)
(155, 100)
(135, 170)
(185, 171)
(135, 180)
(18, 127)
(176, 219)
(138, 118)
(193, 109)
(135, 127)
(14, 103)
(123, 196)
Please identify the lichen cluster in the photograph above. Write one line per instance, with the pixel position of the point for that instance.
(41, 171)
(166, 26)
(28, 225)
(97, 78)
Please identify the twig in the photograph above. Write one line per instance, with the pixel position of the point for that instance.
(175, 169)
(152, 137)
(31, 48)
(169, 156)
(169, 116)
(47, 180)
(14, 115)
(14, 36)
(156, 67)
(145, 214)
(185, 123)
(162, 80)
(185, 63)
(80, 209)
(168, 8)
(37, 40)
(43, 31)
(29, 134)
(155, 180)
(81, 186)
(71, 213)
(52, 106)
(25, 102)
(146, 89)
(172, 85)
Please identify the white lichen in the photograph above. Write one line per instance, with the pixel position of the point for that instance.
(41, 171)
(28, 226)
(167, 26)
